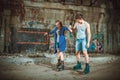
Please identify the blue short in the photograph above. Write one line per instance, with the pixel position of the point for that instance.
(81, 45)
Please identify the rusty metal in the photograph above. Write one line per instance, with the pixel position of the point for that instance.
(33, 32)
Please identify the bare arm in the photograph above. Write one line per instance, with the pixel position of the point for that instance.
(74, 27)
(69, 28)
(88, 35)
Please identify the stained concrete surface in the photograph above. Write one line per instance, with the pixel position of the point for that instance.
(40, 67)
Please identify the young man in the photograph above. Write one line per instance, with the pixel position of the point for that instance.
(60, 42)
(83, 37)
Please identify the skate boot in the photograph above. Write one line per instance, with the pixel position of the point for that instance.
(58, 63)
(61, 67)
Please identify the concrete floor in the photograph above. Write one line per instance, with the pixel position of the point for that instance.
(41, 67)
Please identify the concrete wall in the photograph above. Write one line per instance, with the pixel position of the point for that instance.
(113, 31)
(42, 14)
(47, 13)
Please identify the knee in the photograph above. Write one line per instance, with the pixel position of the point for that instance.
(58, 54)
(61, 53)
(85, 53)
(57, 51)
(77, 53)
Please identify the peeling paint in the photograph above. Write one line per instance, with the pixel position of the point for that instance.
(42, 14)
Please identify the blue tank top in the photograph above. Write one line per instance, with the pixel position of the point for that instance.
(81, 30)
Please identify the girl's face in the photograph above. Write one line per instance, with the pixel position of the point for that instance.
(57, 24)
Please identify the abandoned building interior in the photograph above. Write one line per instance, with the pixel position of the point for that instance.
(19, 18)
(24, 22)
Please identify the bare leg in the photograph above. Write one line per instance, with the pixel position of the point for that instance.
(78, 56)
(86, 56)
(87, 67)
(58, 54)
(61, 66)
(78, 66)
(61, 56)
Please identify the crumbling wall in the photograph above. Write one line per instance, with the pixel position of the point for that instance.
(42, 14)
(113, 31)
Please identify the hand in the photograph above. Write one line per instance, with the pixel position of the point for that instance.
(76, 23)
(70, 28)
(88, 45)
(45, 34)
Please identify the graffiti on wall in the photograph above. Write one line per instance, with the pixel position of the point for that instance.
(33, 18)
(45, 19)
(97, 43)
(41, 18)
(69, 17)
(34, 14)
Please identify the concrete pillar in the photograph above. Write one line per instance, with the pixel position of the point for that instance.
(1, 34)
(6, 22)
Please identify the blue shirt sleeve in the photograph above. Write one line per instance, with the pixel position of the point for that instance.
(65, 28)
(53, 31)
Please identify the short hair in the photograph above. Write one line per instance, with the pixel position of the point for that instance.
(79, 16)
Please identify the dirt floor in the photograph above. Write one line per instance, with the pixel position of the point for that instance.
(41, 67)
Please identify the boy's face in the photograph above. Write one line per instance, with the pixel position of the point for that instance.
(79, 20)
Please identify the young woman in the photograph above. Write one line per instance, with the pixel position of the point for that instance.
(60, 42)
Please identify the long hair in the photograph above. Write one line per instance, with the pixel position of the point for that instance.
(59, 22)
